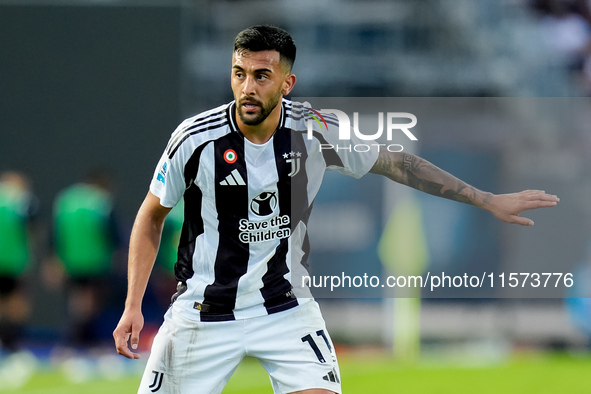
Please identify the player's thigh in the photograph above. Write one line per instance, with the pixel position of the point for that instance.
(295, 348)
(189, 356)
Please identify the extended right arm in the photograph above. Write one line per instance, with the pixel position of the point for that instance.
(420, 174)
(143, 248)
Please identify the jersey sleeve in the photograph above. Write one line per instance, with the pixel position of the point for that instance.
(168, 181)
(355, 157)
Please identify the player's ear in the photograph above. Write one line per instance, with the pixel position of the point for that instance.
(288, 84)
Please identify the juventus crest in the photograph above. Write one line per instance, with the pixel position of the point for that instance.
(157, 383)
(294, 159)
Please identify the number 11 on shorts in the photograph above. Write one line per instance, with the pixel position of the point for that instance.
(308, 338)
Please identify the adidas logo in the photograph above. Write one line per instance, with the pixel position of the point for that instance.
(234, 179)
(332, 377)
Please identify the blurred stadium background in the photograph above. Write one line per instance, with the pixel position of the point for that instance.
(103, 83)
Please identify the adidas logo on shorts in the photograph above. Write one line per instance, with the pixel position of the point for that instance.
(332, 377)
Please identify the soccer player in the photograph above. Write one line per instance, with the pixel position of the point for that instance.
(86, 239)
(18, 207)
(248, 176)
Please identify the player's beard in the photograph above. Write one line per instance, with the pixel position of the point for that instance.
(263, 113)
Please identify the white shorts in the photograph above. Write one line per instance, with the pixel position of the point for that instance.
(200, 357)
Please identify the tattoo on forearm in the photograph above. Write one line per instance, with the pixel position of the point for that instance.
(422, 175)
(407, 162)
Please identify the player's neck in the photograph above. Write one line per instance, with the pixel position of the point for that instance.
(262, 132)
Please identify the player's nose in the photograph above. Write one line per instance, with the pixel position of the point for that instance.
(249, 87)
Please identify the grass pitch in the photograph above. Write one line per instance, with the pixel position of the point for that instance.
(362, 374)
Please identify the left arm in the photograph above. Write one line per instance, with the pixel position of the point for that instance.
(420, 174)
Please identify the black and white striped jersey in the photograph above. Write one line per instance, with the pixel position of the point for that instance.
(246, 208)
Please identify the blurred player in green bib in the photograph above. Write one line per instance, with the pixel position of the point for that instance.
(86, 239)
(17, 208)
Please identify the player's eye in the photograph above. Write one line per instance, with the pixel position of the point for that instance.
(261, 77)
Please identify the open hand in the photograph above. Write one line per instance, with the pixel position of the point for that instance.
(508, 207)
